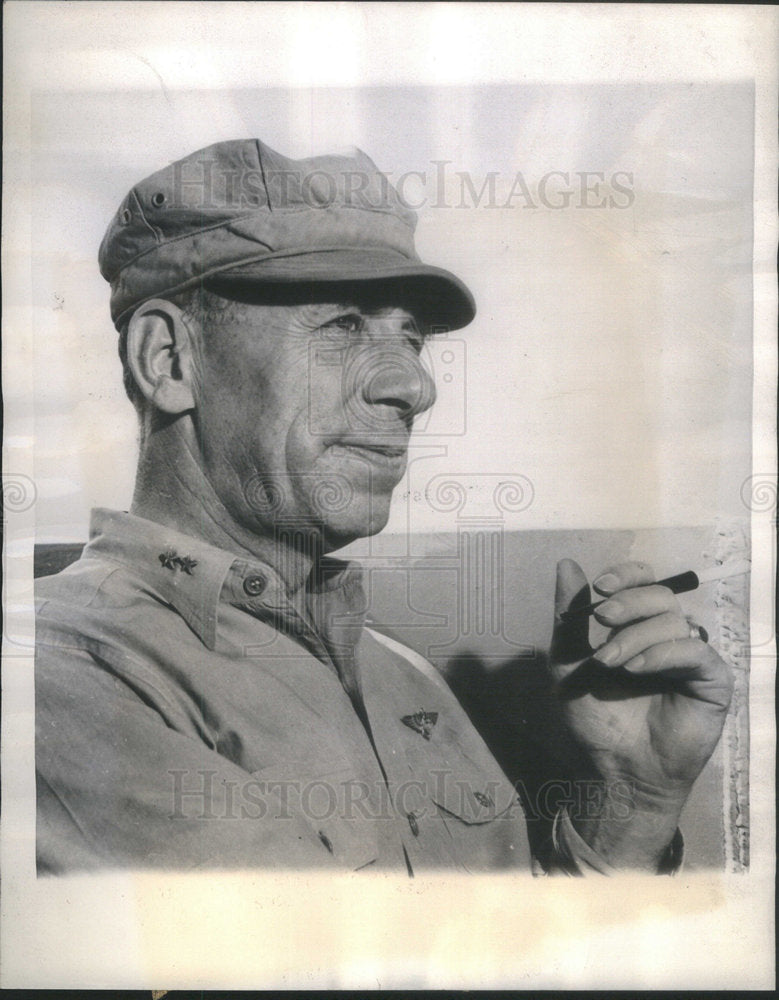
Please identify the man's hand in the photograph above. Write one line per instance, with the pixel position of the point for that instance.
(647, 707)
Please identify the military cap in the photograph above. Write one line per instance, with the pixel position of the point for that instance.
(241, 213)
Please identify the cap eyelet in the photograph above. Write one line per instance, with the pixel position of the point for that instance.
(158, 199)
(126, 216)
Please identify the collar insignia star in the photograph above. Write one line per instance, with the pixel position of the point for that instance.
(421, 722)
(169, 559)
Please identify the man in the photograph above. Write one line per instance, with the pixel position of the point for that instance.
(208, 695)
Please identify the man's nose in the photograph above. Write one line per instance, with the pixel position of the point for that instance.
(397, 378)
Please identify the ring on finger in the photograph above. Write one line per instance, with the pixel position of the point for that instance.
(697, 631)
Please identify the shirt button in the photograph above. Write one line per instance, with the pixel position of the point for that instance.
(254, 585)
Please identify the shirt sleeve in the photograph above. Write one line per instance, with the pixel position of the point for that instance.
(570, 855)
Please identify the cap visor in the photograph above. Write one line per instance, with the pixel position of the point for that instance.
(437, 296)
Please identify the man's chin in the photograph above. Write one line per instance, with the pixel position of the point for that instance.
(340, 531)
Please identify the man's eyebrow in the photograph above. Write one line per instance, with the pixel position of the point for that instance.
(324, 312)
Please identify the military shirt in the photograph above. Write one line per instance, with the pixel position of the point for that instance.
(193, 714)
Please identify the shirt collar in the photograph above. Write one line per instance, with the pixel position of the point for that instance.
(195, 577)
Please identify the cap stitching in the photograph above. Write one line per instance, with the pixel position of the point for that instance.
(240, 218)
(254, 260)
(262, 174)
(185, 236)
(306, 252)
(155, 232)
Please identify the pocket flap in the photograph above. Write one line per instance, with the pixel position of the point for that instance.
(462, 787)
(475, 799)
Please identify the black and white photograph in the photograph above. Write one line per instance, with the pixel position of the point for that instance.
(389, 495)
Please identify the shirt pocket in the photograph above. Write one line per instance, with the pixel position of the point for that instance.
(479, 809)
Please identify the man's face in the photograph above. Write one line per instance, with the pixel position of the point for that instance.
(305, 411)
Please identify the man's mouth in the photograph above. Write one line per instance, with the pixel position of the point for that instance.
(377, 453)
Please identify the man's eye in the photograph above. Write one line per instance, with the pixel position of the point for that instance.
(350, 323)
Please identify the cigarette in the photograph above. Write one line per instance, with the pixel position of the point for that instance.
(681, 583)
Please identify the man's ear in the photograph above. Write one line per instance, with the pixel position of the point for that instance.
(160, 356)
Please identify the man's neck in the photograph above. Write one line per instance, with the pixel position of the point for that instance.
(171, 489)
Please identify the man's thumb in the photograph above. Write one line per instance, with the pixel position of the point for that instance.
(570, 638)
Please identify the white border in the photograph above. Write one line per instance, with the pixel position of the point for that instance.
(251, 931)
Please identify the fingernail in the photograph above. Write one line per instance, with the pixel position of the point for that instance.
(608, 655)
(606, 582)
(636, 663)
(611, 609)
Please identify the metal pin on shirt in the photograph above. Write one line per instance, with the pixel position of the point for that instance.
(421, 722)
